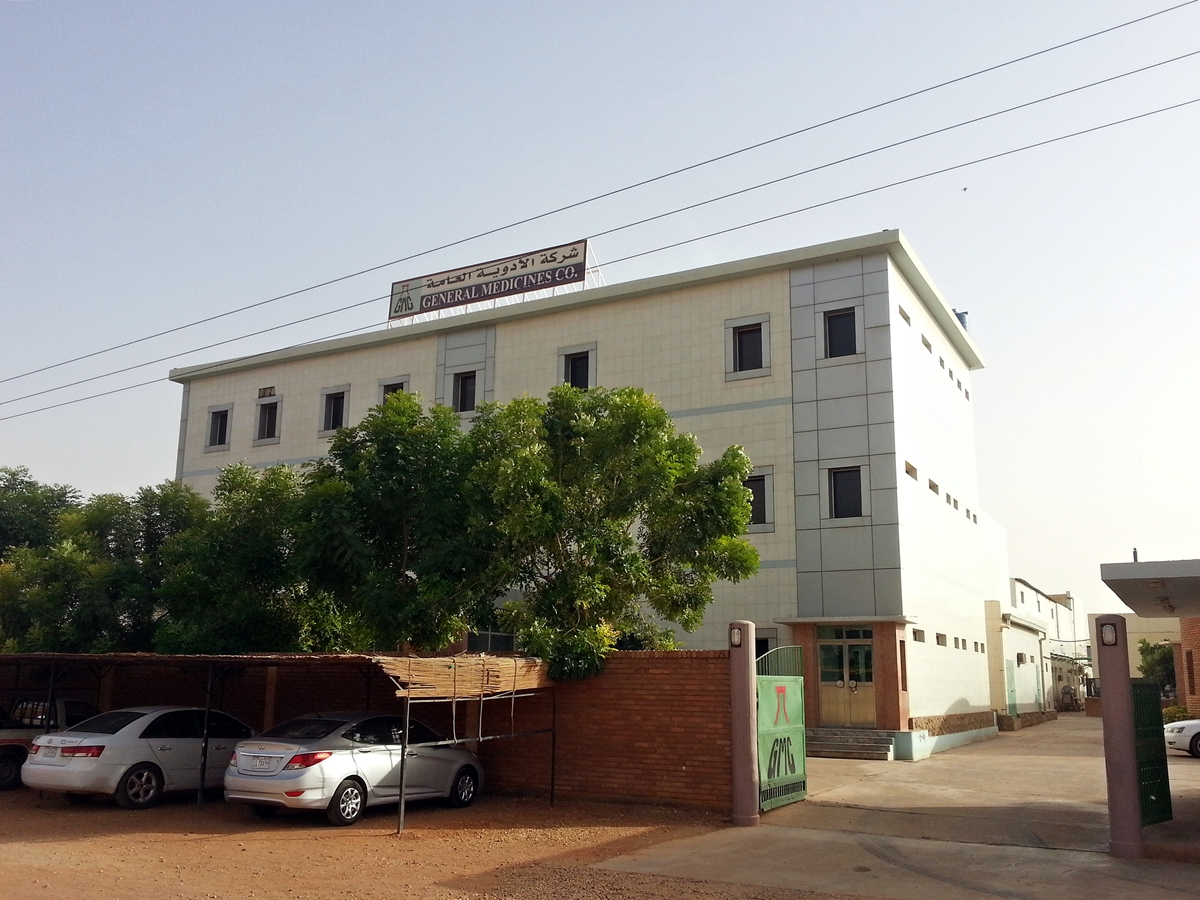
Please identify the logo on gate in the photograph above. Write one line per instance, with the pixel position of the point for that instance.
(781, 703)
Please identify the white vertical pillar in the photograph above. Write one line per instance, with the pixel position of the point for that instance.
(1120, 746)
(743, 709)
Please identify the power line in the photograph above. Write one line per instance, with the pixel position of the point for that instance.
(692, 240)
(642, 221)
(607, 194)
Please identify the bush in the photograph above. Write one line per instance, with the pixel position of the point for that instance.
(1175, 714)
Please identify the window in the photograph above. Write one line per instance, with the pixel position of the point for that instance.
(956, 503)
(756, 484)
(333, 414)
(919, 635)
(925, 343)
(845, 493)
(1191, 673)
(490, 642)
(947, 498)
(268, 422)
(576, 371)
(933, 486)
(903, 668)
(747, 347)
(218, 427)
(840, 339)
(464, 391)
(761, 485)
(397, 384)
(977, 646)
(956, 643)
(941, 640)
(910, 470)
(941, 362)
(904, 315)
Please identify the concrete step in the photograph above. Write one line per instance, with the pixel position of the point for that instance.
(882, 755)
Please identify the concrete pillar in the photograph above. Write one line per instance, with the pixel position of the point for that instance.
(743, 709)
(1120, 746)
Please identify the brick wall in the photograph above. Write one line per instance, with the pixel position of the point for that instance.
(1188, 680)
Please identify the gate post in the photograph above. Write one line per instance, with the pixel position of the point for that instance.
(743, 721)
(1120, 749)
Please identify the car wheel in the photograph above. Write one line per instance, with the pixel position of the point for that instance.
(466, 786)
(264, 812)
(78, 799)
(10, 771)
(1194, 746)
(140, 788)
(347, 804)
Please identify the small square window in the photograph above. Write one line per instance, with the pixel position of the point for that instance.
(967, 394)
(268, 421)
(956, 503)
(956, 643)
(947, 498)
(910, 470)
(941, 362)
(845, 493)
(333, 415)
(941, 640)
(757, 486)
(747, 348)
(919, 635)
(464, 392)
(576, 372)
(976, 646)
(394, 387)
(925, 343)
(933, 486)
(840, 339)
(904, 315)
(218, 428)
(975, 518)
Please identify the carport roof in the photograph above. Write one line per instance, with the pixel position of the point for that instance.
(1160, 589)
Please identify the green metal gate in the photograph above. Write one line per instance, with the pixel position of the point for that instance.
(782, 775)
(1153, 783)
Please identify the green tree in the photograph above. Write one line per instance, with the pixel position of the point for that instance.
(384, 530)
(1158, 663)
(95, 588)
(231, 582)
(29, 510)
(599, 513)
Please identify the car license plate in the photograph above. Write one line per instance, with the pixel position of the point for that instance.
(260, 762)
(49, 751)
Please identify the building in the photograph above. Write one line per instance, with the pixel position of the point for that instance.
(841, 370)
(1035, 660)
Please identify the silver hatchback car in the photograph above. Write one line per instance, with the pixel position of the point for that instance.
(344, 762)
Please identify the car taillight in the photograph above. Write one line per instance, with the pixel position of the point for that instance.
(92, 751)
(233, 758)
(34, 749)
(304, 760)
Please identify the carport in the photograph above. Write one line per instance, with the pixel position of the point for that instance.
(230, 682)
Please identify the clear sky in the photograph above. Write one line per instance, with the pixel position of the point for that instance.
(165, 161)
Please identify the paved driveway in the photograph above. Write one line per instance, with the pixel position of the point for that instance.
(1023, 815)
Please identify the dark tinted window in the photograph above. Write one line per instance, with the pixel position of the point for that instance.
(758, 499)
(77, 711)
(184, 723)
(304, 729)
(218, 428)
(747, 348)
(268, 421)
(107, 723)
(577, 371)
(464, 392)
(335, 411)
(379, 730)
(420, 734)
(845, 489)
(839, 334)
(221, 725)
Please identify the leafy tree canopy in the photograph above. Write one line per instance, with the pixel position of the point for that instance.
(29, 510)
(1158, 663)
(596, 510)
(385, 526)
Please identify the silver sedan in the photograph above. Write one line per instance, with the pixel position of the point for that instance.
(1183, 735)
(134, 754)
(344, 762)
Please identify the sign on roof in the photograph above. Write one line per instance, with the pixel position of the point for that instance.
(549, 268)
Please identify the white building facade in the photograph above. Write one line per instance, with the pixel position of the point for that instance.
(839, 368)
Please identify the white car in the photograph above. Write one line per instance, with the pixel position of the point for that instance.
(345, 762)
(135, 755)
(1183, 735)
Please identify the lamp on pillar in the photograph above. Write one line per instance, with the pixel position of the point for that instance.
(743, 723)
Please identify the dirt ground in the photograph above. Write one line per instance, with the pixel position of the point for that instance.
(498, 849)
